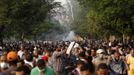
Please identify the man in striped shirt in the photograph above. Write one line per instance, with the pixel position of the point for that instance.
(57, 61)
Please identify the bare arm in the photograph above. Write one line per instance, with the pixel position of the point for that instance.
(57, 54)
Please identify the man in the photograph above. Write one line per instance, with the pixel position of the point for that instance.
(21, 52)
(82, 57)
(85, 70)
(22, 70)
(77, 71)
(3, 63)
(100, 58)
(93, 53)
(102, 69)
(36, 54)
(117, 65)
(130, 62)
(57, 61)
(42, 69)
(28, 60)
(12, 60)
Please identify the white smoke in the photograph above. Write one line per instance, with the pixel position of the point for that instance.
(70, 36)
(65, 16)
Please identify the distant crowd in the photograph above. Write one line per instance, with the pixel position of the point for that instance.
(89, 57)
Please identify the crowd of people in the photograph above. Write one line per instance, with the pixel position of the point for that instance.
(90, 57)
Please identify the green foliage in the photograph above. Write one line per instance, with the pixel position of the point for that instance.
(25, 17)
(109, 17)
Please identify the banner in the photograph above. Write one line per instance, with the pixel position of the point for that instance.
(70, 47)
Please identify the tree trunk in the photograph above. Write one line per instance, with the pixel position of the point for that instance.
(1, 39)
(22, 37)
(123, 38)
(2, 27)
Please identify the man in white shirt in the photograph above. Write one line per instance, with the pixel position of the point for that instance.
(21, 52)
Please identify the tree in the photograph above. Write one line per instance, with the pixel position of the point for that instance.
(24, 17)
(110, 17)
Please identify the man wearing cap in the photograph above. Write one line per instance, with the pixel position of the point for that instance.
(12, 60)
(100, 58)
